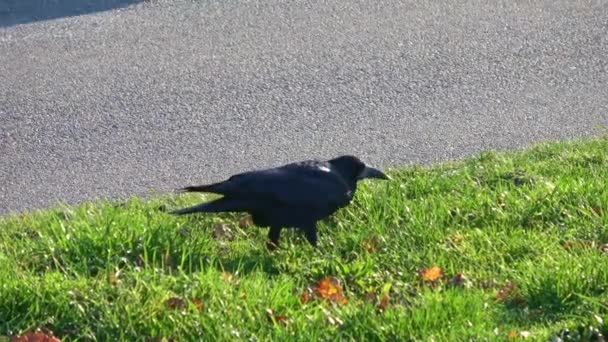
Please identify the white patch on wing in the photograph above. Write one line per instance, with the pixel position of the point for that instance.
(324, 168)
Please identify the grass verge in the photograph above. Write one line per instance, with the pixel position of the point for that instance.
(501, 246)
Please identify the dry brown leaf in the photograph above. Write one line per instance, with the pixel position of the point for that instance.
(506, 290)
(175, 303)
(35, 337)
(275, 318)
(306, 295)
(383, 302)
(431, 274)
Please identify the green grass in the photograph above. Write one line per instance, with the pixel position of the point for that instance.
(104, 271)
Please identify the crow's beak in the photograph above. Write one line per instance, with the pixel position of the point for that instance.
(370, 172)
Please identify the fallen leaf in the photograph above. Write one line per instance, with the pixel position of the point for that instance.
(383, 302)
(431, 274)
(306, 295)
(273, 317)
(512, 335)
(330, 288)
(198, 304)
(175, 303)
(506, 290)
(35, 337)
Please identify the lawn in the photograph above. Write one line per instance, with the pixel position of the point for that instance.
(501, 246)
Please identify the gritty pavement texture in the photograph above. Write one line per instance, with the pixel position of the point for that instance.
(157, 95)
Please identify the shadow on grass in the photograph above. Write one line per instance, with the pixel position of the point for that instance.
(246, 264)
(15, 12)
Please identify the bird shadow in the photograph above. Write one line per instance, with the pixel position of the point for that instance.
(15, 12)
(247, 264)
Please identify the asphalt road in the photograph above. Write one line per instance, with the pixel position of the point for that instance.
(158, 95)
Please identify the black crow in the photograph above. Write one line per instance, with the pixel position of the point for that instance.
(296, 195)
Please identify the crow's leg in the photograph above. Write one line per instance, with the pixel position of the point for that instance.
(310, 231)
(273, 235)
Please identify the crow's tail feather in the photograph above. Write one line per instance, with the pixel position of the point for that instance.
(195, 188)
(217, 188)
(216, 206)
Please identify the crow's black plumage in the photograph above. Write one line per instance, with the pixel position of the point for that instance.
(295, 195)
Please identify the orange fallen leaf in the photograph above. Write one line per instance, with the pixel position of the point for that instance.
(432, 274)
(383, 302)
(512, 335)
(35, 337)
(506, 290)
(198, 304)
(330, 288)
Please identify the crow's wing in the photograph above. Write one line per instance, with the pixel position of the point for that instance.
(303, 184)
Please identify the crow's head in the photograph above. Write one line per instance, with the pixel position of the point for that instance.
(353, 169)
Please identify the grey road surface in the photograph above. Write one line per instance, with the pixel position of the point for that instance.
(154, 95)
